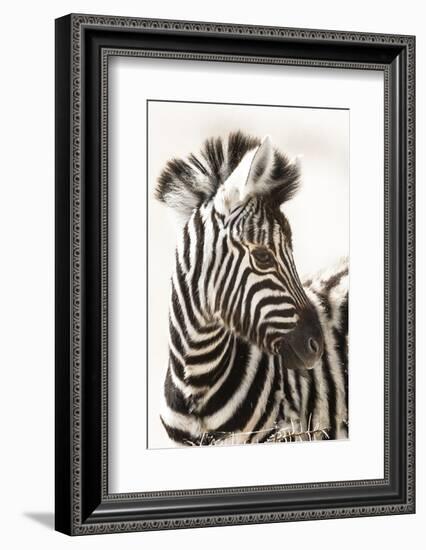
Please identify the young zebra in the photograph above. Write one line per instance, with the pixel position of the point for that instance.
(244, 335)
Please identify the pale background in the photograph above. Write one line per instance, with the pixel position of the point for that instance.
(133, 80)
(26, 224)
(318, 214)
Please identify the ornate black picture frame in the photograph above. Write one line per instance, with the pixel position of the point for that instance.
(83, 45)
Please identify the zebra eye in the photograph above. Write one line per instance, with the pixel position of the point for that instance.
(263, 257)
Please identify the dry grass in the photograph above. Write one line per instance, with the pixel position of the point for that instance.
(277, 434)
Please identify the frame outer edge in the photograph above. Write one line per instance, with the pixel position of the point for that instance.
(411, 271)
(63, 491)
(77, 22)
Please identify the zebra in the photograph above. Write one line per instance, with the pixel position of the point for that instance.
(252, 352)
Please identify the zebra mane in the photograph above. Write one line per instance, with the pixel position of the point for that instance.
(184, 184)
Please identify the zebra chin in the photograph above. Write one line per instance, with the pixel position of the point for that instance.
(303, 347)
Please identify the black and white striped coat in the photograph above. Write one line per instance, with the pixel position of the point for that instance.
(317, 401)
(254, 355)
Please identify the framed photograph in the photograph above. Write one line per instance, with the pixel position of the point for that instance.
(234, 274)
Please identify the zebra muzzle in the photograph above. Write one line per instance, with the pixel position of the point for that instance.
(302, 348)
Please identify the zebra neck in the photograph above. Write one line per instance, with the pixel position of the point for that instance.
(207, 356)
(197, 349)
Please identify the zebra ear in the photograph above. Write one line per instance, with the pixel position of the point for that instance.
(260, 169)
(249, 178)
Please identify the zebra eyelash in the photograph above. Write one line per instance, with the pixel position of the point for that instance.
(267, 254)
(255, 250)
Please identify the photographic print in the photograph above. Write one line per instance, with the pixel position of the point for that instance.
(247, 274)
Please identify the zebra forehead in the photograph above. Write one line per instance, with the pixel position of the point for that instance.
(260, 223)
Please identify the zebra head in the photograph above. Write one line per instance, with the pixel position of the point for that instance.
(234, 263)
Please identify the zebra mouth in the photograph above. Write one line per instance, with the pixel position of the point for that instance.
(292, 359)
(302, 348)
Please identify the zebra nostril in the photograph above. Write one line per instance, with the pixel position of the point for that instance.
(313, 345)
